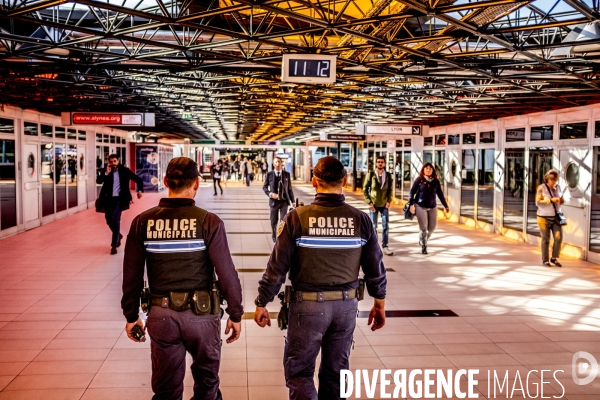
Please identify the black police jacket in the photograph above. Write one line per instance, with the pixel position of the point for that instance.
(125, 177)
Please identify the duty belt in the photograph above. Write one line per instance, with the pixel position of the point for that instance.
(325, 296)
(164, 302)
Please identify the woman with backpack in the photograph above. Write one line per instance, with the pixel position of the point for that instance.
(423, 203)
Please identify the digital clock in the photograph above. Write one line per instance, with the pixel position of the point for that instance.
(308, 68)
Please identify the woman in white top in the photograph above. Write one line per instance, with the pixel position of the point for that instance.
(548, 200)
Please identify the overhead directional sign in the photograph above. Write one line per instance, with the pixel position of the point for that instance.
(111, 119)
(393, 129)
(343, 137)
(233, 142)
(203, 141)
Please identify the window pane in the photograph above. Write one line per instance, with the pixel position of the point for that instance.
(540, 162)
(8, 186)
(428, 156)
(573, 131)
(440, 140)
(542, 132)
(515, 135)
(71, 133)
(597, 129)
(118, 139)
(398, 143)
(406, 178)
(487, 137)
(112, 139)
(60, 176)
(123, 140)
(47, 155)
(72, 166)
(467, 192)
(595, 218)
(407, 142)
(7, 125)
(46, 130)
(440, 165)
(30, 128)
(453, 139)
(485, 187)
(99, 137)
(59, 132)
(82, 135)
(469, 138)
(513, 189)
(106, 139)
(428, 141)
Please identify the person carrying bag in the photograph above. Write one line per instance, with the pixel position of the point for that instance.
(550, 218)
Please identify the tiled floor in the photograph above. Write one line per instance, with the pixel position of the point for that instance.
(61, 327)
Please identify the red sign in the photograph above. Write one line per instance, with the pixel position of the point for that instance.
(107, 119)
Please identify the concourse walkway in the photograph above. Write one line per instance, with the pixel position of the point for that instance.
(477, 300)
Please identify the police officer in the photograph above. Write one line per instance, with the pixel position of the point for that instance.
(183, 246)
(323, 246)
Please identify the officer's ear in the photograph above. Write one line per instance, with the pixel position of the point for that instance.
(345, 181)
(314, 182)
(165, 181)
(196, 183)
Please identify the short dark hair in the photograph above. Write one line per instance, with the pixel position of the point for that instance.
(329, 172)
(113, 156)
(181, 174)
(381, 158)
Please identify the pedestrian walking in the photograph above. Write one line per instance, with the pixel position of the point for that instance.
(278, 186)
(422, 200)
(246, 171)
(323, 265)
(116, 196)
(182, 262)
(217, 172)
(377, 190)
(548, 200)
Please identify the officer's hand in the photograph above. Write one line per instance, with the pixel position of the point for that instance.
(261, 317)
(447, 210)
(372, 207)
(377, 315)
(387, 205)
(236, 327)
(274, 196)
(129, 326)
(139, 195)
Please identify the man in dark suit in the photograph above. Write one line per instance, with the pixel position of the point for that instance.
(116, 196)
(278, 186)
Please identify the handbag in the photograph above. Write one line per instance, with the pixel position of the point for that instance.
(99, 205)
(407, 213)
(560, 217)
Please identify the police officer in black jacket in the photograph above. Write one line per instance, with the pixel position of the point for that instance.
(278, 186)
(115, 195)
(183, 247)
(323, 247)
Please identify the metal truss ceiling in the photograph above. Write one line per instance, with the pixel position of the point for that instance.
(434, 62)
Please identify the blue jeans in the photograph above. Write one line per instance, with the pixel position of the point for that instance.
(313, 326)
(384, 222)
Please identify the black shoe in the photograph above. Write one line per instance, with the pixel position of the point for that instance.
(424, 250)
(547, 264)
(214, 194)
(555, 262)
(113, 250)
(120, 238)
(221, 194)
(274, 239)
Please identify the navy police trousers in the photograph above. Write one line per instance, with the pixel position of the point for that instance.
(314, 326)
(173, 333)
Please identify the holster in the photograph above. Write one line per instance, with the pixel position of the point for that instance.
(360, 291)
(178, 301)
(283, 316)
(215, 297)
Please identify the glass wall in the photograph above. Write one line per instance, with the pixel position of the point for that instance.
(47, 158)
(595, 212)
(72, 169)
(540, 162)
(440, 165)
(485, 186)
(59, 171)
(467, 192)
(406, 178)
(8, 185)
(514, 163)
